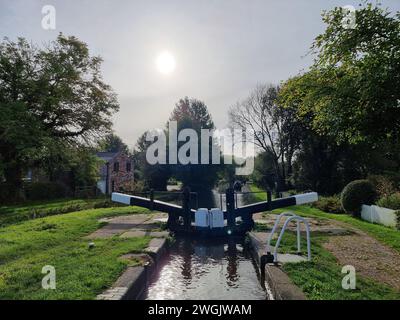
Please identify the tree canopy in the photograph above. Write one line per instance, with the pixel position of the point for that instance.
(49, 95)
(352, 91)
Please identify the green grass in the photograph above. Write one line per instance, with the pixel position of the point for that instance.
(388, 236)
(261, 195)
(17, 213)
(321, 278)
(27, 247)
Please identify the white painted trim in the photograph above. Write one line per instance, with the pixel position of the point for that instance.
(379, 215)
(216, 218)
(202, 218)
(306, 198)
(121, 198)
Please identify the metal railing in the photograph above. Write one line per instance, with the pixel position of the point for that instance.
(291, 217)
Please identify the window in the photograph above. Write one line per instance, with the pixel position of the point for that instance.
(116, 166)
(128, 166)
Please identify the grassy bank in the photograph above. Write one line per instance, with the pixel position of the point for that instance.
(27, 247)
(260, 194)
(321, 278)
(386, 235)
(17, 213)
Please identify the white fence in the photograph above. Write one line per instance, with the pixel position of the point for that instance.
(379, 215)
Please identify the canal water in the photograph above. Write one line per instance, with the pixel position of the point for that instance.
(207, 269)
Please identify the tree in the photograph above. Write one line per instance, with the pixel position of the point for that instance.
(264, 175)
(352, 91)
(112, 143)
(47, 96)
(193, 114)
(154, 176)
(275, 128)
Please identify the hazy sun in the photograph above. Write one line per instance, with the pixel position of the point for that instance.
(165, 62)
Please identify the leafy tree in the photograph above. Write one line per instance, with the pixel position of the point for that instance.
(112, 143)
(348, 101)
(154, 176)
(352, 91)
(193, 114)
(47, 96)
(264, 174)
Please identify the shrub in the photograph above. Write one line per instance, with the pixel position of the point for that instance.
(391, 202)
(357, 193)
(397, 213)
(384, 185)
(329, 204)
(132, 187)
(107, 203)
(45, 191)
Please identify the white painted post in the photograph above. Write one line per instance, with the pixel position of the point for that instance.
(298, 237)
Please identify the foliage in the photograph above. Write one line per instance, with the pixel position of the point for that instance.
(112, 143)
(347, 103)
(154, 176)
(397, 213)
(384, 185)
(331, 204)
(45, 190)
(276, 129)
(49, 97)
(357, 193)
(354, 83)
(391, 201)
(264, 174)
(193, 114)
(133, 186)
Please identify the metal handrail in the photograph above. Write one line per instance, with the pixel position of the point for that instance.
(278, 219)
(299, 219)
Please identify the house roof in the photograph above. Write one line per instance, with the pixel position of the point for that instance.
(106, 156)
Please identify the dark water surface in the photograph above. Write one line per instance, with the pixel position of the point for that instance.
(207, 269)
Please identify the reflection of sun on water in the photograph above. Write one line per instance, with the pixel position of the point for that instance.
(165, 63)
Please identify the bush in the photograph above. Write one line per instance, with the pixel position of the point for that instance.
(391, 202)
(397, 213)
(132, 187)
(329, 204)
(357, 193)
(106, 203)
(384, 185)
(45, 191)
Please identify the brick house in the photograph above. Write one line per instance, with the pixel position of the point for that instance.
(116, 170)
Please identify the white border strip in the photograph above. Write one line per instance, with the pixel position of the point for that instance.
(306, 198)
(121, 198)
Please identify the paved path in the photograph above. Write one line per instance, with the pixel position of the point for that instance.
(134, 225)
(370, 258)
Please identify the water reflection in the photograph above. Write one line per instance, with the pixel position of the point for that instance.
(207, 269)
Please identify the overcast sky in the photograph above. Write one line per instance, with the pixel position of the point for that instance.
(222, 48)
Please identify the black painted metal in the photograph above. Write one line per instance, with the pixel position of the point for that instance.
(265, 206)
(230, 208)
(245, 212)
